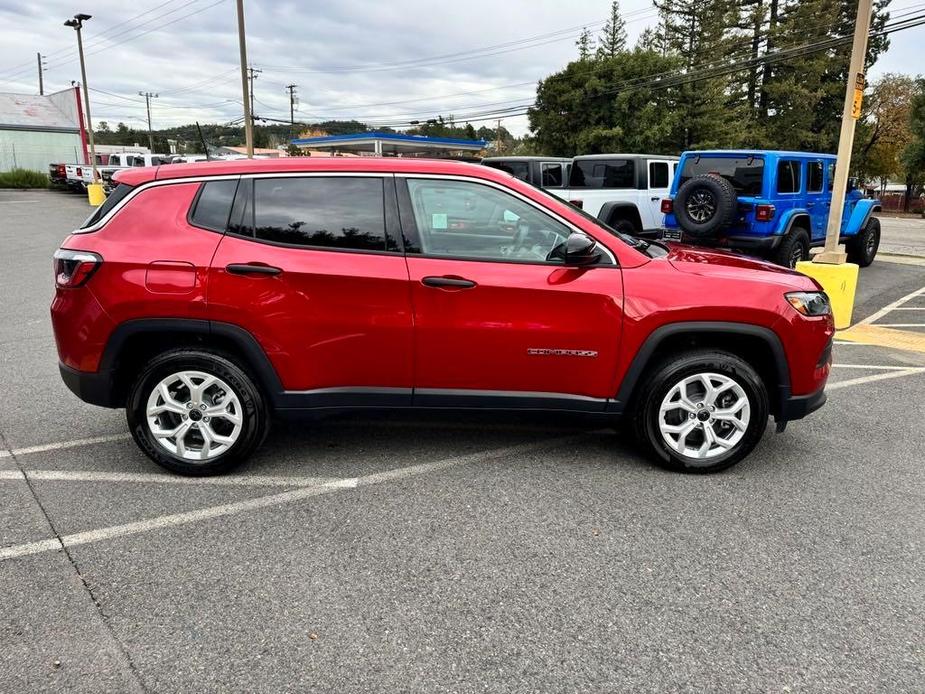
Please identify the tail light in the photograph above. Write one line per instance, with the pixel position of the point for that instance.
(74, 268)
(764, 213)
(580, 204)
(667, 206)
(79, 172)
(61, 170)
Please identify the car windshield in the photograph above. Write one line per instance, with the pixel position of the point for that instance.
(745, 173)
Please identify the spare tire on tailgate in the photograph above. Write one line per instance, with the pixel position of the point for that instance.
(705, 205)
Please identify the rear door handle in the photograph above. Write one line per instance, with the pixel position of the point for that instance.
(252, 269)
(453, 282)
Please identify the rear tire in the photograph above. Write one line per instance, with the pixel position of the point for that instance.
(625, 226)
(793, 247)
(196, 413)
(863, 248)
(673, 412)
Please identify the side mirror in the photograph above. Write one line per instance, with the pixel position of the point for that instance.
(578, 250)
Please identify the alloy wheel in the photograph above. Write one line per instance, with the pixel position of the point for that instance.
(194, 415)
(701, 206)
(704, 416)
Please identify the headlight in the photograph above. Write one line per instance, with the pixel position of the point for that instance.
(810, 303)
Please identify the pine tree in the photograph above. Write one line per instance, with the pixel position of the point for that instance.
(585, 45)
(613, 35)
(703, 34)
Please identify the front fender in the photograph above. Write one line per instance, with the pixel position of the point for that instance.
(856, 214)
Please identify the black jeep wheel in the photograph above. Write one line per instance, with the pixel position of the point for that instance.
(793, 248)
(863, 248)
(705, 205)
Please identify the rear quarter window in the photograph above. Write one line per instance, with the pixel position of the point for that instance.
(517, 169)
(603, 173)
(212, 206)
(115, 197)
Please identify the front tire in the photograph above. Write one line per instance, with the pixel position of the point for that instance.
(702, 412)
(196, 413)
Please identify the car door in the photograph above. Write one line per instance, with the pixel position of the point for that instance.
(495, 322)
(311, 268)
(817, 202)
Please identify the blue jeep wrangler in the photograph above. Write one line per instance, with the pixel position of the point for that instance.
(766, 203)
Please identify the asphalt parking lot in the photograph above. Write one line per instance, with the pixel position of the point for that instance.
(447, 553)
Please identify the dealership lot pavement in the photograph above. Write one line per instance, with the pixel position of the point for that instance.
(439, 553)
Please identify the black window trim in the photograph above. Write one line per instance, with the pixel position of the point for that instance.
(195, 203)
(409, 224)
(390, 216)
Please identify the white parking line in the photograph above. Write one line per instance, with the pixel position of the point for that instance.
(901, 325)
(167, 478)
(891, 307)
(64, 444)
(176, 519)
(874, 377)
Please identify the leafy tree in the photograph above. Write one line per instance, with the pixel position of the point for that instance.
(585, 45)
(883, 131)
(913, 158)
(613, 35)
(613, 108)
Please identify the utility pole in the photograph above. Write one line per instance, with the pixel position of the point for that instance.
(854, 92)
(148, 96)
(248, 111)
(291, 88)
(77, 23)
(498, 141)
(252, 73)
(38, 57)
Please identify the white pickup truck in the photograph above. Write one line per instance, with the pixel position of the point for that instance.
(126, 160)
(624, 191)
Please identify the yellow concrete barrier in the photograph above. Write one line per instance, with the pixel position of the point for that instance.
(840, 282)
(95, 194)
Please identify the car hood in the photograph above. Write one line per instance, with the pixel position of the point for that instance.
(714, 263)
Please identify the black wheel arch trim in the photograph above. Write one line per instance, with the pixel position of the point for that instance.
(801, 216)
(643, 358)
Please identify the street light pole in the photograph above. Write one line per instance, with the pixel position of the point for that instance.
(148, 96)
(77, 24)
(248, 116)
(854, 92)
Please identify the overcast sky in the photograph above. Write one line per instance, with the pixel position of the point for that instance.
(382, 62)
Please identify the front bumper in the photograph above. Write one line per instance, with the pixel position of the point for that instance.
(95, 388)
(798, 406)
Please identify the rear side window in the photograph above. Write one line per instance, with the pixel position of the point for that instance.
(336, 212)
(788, 176)
(744, 173)
(115, 197)
(831, 172)
(602, 173)
(517, 169)
(658, 174)
(552, 175)
(213, 205)
(814, 177)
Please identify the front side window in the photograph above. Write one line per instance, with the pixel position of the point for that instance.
(744, 173)
(459, 219)
(602, 173)
(335, 212)
(658, 174)
(552, 175)
(213, 205)
(814, 177)
(788, 176)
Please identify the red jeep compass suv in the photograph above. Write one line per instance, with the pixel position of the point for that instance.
(205, 298)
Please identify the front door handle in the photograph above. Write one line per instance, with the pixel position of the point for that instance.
(252, 269)
(449, 282)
